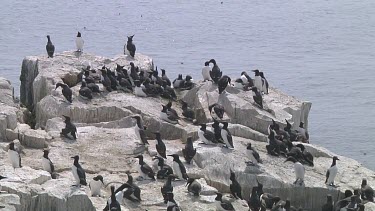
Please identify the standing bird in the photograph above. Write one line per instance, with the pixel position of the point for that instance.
(106, 81)
(160, 146)
(222, 205)
(114, 205)
(367, 193)
(189, 151)
(193, 186)
(172, 204)
(246, 79)
(139, 90)
(164, 170)
(170, 109)
(140, 130)
(299, 170)
(227, 136)
(235, 187)
(66, 91)
(254, 201)
(217, 132)
(168, 116)
(206, 71)
(206, 136)
(85, 92)
(307, 156)
(253, 155)
(47, 164)
(179, 168)
(303, 133)
(215, 73)
(79, 42)
(258, 80)
(187, 112)
(145, 170)
(223, 83)
(165, 78)
(78, 172)
(70, 128)
(264, 83)
(14, 156)
(332, 172)
(328, 206)
(130, 47)
(50, 47)
(178, 82)
(258, 99)
(96, 185)
(216, 111)
(167, 187)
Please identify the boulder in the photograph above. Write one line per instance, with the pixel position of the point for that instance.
(9, 110)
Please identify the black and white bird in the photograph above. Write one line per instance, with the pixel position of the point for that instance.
(332, 172)
(367, 193)
(193, 186)
(135, 195)
(160, 146)
(206, 71)
(216, 111)
(70, 129)
(130, 47)
(189, 151)
(303, 133)
(139, 129)
(178, 82)
(299, 170)
(328, 206)
(112, 203)
(179, 168)
(264, 83)
(79, 42)
(222, 205)
(258, 80)
(215, 73)
(164, 170)
(96, 185)
(253, 155)
(165, 78)
(307, 156)
(50, 47)
(78, 172)
(127, 191)
(168, 116)
(172, 110)
(246, 79)
(106, 81)
(187, 112)
(85, 92)
(14, 156)
(167, 187)
(144, 170)
(235, 187)
(254, 200)
(139, 90)
(217, 132)
(227, 136)
(66, 91)
(206, 136)
(223, 83)
(172, 204)
(257, 96)
(47, 164)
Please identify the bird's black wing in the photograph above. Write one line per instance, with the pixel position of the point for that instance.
(161, 150)
(81, 174)
(147, 170)
(143, 136)
(256, 155)
(227, 206)
(51, 166)
(210, 136)
(230, 139)
(327, 176)
(122, 187)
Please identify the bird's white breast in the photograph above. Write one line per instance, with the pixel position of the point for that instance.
(139, 92)
(46, 165)
(177, 170)
(95, 187)
(120, 196)
(332, 173)
(224, 136)
(79, 43)
(300, 170)
(206, 73)
(258, 83)
(14, 158)
(244, 79)
(250, 155)
(75, 174)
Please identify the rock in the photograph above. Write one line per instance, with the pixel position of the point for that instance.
(10, 202)
(9, 110)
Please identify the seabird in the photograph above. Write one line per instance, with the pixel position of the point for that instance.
(206, 71)
(292, 134)
(206, 136)
(332, 172)
(179, 168)
(47, 164)
(50, 47)
(140, 130)
(168, 116)
(238, 83)
(96, 185)
(167, 187)
(223, 83)
(258, 99)
(139, 90)
(160, 146)
(253, 155)
(136, 191)
(94, 88)
(309, 158)
(112, 77)
(163, 169)
(187, 112)
(165, 78)
(177, 83)
(113, 204)
(78, 172)
(227, 136)
(170, 109)
(79, 42)
(264, 83)
(85, 92)
(145, 170)
(254, 201)
(235, 187)
(66, 91)
(193, 186)
(303, 133)
(217, 132)
(299, 170)
(87, 77)
(216, 111)
(258, 80)
(188, 83)
(189, 151)
(134, 73)
(367, 193)
(106, 81)
(222, 205)
(246, 79)
(172, 204)
(130, 47)
(127, 191)
(168, 92)
(151, 89)
(14, 156)
(215, 73)
(70, 128)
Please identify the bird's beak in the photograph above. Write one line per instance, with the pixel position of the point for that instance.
(72, 157)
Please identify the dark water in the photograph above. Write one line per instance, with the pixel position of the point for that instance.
(322, 50)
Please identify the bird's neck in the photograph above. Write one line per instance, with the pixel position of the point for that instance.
(333, 163)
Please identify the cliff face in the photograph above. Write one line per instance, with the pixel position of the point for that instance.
(107, 142)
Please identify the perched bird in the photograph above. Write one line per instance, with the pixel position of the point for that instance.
(258, 80)
(78, 172)
(206, 136)
(164, 170)
(160, 146)
(332, 172)
(70, 128)
(168, 116)
(113, 204)
(106, 81)
(217, 132)
(223, 83)
(130, 47)
(170, 109)
(328, 206)
(167, 187)
(216, 111)
(66, 91)
(165, 78)
(254, 201)
(193, 186)
(206, 71)
(179, 168)
(303, 133)
(139, 90)
(14, 156)
(127, 191)
(177, 83)
(247, 79)
(96, 185)
(188, 83)
(168, 92)
(85, 92)
(139, 129)
(292, 134)
(79, 42)
(87, 77)
(172, 204)
(215, 73)
(187, 112)
(235, 187)
(258, 99)
(94, 88)
(367, 193)
(308, 157)
(136, 191)
(47, 164)
(145, 170)
(253, 155)
(222, 205)
(275, 146)
(189, 151)
(239, 84)
(50, 47)
(112, 77)
(299, 170)
(264, 83)
(227, 136)
(134, 73)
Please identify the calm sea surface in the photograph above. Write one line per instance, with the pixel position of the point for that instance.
(322, 51)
